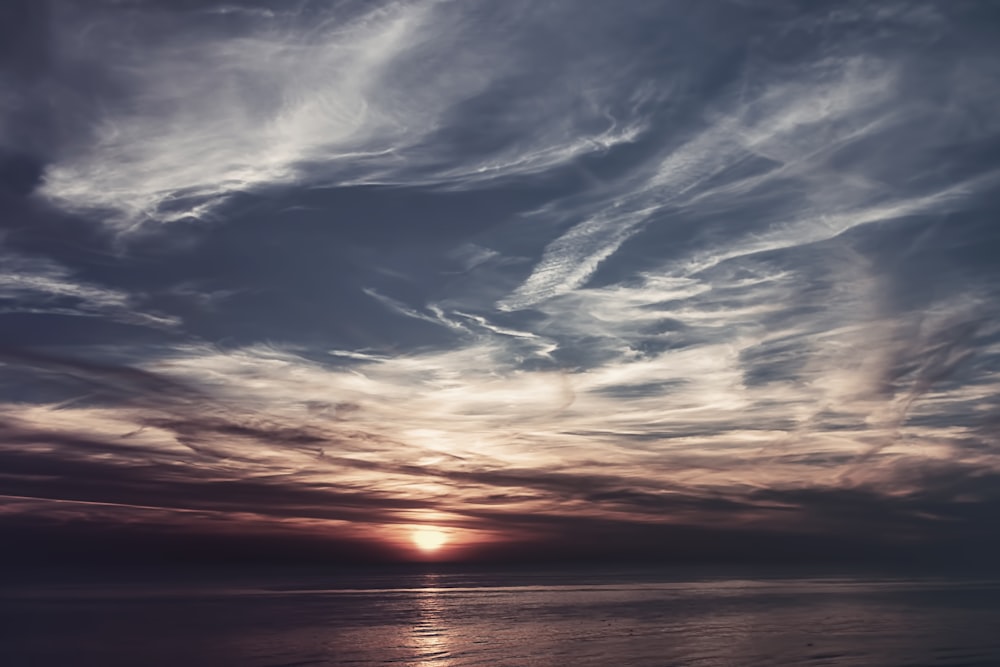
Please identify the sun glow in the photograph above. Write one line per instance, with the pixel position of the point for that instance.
(429, 538)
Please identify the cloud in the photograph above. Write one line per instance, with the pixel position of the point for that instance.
(793, 124)
(626, 272)
(208, 108)
(40, 285)
(676, 432)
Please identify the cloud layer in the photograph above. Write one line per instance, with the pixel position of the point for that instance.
(534, 274)
(345, 94)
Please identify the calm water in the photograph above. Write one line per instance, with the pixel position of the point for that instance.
(454, 619)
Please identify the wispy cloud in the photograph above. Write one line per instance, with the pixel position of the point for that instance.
(625, 270)
(330, 96)
(40, 285)
(794, 125)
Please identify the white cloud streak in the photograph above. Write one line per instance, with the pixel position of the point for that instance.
(40, 285)
(794, 124)
(329, 99)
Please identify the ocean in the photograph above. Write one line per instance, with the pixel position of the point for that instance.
(452, 617)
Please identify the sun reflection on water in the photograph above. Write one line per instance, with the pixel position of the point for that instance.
(430, 631)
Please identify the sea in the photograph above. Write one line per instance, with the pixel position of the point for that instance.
(464, 617)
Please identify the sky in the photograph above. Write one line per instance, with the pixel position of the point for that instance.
(557, 280)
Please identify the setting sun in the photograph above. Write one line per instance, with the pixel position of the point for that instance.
(429, 538)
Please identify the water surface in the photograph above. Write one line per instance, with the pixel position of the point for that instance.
(464, 618)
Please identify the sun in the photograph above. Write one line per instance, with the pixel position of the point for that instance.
(429, 538)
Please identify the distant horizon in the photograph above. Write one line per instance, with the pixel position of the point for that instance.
(103, 549)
